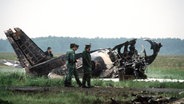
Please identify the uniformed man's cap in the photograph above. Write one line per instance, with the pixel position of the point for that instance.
(72, 45)
(88, 46)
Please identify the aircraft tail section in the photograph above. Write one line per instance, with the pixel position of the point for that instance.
(28, 53)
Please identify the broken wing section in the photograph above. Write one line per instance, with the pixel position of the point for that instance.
(45, 67)
(156, 48)
(29, 54)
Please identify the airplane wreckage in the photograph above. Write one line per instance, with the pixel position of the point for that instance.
(107, 63)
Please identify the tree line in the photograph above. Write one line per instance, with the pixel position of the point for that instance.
(171, 46)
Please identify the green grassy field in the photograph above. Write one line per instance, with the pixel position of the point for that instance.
(168, 62)
(171, 67)
(46, 98)
(163, 67)
(9, 56)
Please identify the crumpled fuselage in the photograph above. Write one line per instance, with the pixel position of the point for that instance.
(106, 63)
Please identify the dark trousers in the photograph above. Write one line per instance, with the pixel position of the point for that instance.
(86, 78)
(72, 71)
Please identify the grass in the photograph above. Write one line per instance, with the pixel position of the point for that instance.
(6, 69)
(47, 98)
(170, 73)
(135, 84)
(168, 62)
(20, 79)
(8, 56)
(171, 67)
(163, 67)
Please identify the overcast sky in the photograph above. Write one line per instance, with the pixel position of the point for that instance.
(94, 18)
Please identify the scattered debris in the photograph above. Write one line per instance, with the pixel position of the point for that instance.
(114, 101)
(106, 63)
(141, 99)
(11, 63)
(111, 94)
(180, 101)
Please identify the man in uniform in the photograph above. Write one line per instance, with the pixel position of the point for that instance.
(71, 66)
(87, 67)
(48, 53)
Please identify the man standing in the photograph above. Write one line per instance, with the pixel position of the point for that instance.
(48, 53)
(87, 67)
(71, 66)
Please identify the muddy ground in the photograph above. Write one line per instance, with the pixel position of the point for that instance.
(114, 95)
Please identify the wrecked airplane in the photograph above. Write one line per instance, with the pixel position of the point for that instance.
(107, 63)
